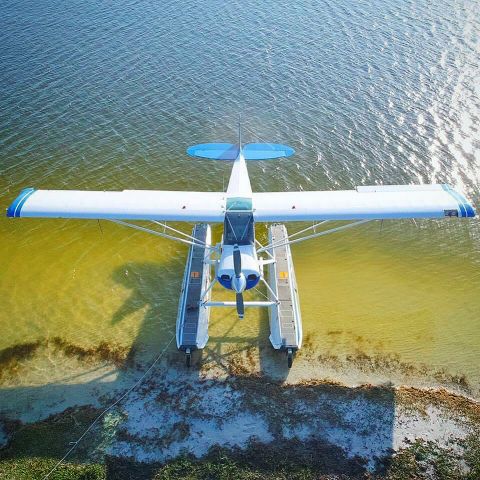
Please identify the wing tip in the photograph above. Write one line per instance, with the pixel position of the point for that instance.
(465, 208)
(13, 211)
(471, 212)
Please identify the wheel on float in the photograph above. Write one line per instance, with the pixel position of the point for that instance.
(289, 358)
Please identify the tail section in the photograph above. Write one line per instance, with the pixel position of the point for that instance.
(251, 151)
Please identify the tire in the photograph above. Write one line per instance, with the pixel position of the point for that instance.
(289, 358)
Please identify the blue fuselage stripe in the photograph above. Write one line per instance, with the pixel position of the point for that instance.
(228, 283)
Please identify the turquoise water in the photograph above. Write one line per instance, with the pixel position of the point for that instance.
(108, 95)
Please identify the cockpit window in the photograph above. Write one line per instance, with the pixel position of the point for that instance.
(238, 228)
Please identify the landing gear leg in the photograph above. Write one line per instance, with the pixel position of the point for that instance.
(289, 357)
(188, 357)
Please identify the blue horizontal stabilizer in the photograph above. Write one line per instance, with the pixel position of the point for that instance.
(266, 151)
(214, 151)
(230, 151)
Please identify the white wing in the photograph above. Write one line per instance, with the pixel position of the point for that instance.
(126, 205)
(375, 202)
(369, 202)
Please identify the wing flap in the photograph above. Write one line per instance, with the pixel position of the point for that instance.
(126, 205)
(370, 202)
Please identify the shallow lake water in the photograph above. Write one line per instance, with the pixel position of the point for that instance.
(108, 96)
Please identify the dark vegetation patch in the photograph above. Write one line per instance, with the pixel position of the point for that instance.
(390, 364)
(456, 404)
(104, 351)
(179, 432)
(11, 358)
(51, 437)
(426, 460)
(278, 403)
(291, 460)
(307, 343)
(36, 468)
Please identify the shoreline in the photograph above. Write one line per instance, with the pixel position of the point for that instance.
(228, 405)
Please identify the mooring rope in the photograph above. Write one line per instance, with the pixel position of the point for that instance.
(130, 390)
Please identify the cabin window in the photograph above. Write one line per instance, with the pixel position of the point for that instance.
(238, 228)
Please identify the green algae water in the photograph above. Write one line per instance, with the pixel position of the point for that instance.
(109, 95)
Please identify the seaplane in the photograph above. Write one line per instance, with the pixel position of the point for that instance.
(239, 261)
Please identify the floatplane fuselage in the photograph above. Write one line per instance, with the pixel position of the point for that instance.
(239, 233)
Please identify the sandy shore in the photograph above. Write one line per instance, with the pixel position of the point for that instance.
(348, 410)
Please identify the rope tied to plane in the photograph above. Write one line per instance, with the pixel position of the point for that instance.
(110, 407)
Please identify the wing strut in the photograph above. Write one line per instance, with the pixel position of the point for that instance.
(308, 237)
(178, 232)
(162, 234)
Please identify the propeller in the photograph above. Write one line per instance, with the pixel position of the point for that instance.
(237, 261)
(240, 306)
(240, 286)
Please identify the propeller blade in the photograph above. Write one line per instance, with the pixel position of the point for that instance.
(237, 261)
(240, 306)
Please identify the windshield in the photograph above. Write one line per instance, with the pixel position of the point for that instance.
(238, 228)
